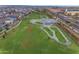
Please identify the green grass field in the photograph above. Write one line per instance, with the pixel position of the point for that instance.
(28, 38)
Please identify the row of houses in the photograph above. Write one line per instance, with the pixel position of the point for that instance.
(66, 11)
(67, 21)
(10, 16)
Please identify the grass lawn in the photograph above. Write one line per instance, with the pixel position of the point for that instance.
(58, 34)
(28, 38)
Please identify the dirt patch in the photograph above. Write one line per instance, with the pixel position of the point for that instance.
(25, 44)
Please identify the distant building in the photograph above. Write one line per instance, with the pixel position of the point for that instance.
(72, 12)
(12, 18)
(9, 22)
(56, 10)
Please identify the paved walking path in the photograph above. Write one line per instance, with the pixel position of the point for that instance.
(54, 37)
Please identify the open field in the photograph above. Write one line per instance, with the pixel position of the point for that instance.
(28, 38)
